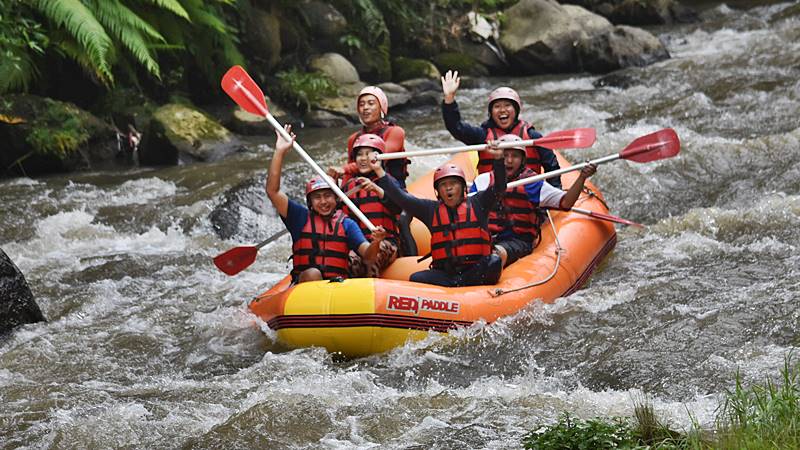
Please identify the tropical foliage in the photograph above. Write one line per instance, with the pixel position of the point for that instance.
(112, 37)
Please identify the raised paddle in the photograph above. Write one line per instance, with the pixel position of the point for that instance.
(659, 145)
(246, 93)
(576, 138)
(237, 259)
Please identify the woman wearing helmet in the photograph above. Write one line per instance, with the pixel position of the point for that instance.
(372, 201)
(460, 240)
(515, 221)
(504, 107)
(321, 234)
(372, 106)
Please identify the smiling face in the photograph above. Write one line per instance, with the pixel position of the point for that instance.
(513, 159)
(369, 109)
(322, 202)
(363, 157)
(451, 191)
(503, 113)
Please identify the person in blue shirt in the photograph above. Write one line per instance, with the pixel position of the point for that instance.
(322, 236)
(515, 221)
(504, 108)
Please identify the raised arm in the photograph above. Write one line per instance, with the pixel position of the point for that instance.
(420, 208)
(278, 198)
(568, 200)
(489, 196)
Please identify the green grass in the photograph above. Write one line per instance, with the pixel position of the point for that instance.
(763, 416)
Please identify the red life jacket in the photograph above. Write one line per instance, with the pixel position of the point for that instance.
(516, 211)
(382, 131)
(532, 159)
(370, 204)
(322, 244)
(459, 243)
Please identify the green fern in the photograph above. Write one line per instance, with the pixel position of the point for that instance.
(173, 6)
(82, 24)
(129, 29)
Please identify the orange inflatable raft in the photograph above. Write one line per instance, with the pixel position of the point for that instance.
(364, 316)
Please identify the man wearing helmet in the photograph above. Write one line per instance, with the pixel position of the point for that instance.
(515, 221)
(460, 240)
(372, 201)
(321, 234)
(372, 106)
(504, 108)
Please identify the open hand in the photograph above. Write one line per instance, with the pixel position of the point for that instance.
(450, 84)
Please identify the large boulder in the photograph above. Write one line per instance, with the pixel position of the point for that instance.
(539, 35)
(325, 23)
(264, 37)
(410, 68)
(17, 305)
(242, 210)
(180, 134)
(621, 47)
(336, 67)
(40, 135)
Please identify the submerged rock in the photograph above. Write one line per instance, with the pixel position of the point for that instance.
(242, 204)
(17, 305)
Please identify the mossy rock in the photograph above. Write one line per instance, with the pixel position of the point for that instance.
(42, 135)
(464, 64)
(409, 68)
(182, 134)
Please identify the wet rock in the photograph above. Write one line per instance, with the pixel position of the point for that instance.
(17, 305)
(40, 135)
(324, 21)
(324, 119)
(540, 35)
(264, 37)
(180, 134)
(241, 204)
(622, 79)
(621, 47)
(410, 68)
(336, 67)
(463, 63)
(424, 92)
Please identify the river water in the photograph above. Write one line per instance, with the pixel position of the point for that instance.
(149, 346)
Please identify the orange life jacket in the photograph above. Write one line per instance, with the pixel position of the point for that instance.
(532, 159)
(322, 244)
(459, 243)
(516, 210)
(370, 204)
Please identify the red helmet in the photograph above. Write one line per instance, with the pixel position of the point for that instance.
(379, 94)
(448, 170)
(316, 184)
(505, 93)
(370, 140)
(512, 138)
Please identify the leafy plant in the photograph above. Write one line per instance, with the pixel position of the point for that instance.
(351, 41)
(574, 433)
(22, 40)
(57, 131)
(306, 88)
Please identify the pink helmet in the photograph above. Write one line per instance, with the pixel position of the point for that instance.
(448, 170)
(505, 93)
(316, 184)
(370, 140)
(379, 94)
(512, 138)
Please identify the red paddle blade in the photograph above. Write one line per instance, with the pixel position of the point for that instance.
(244, 91)
(236, 259)
(652, 147)
(615, 219)
(575, 138)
